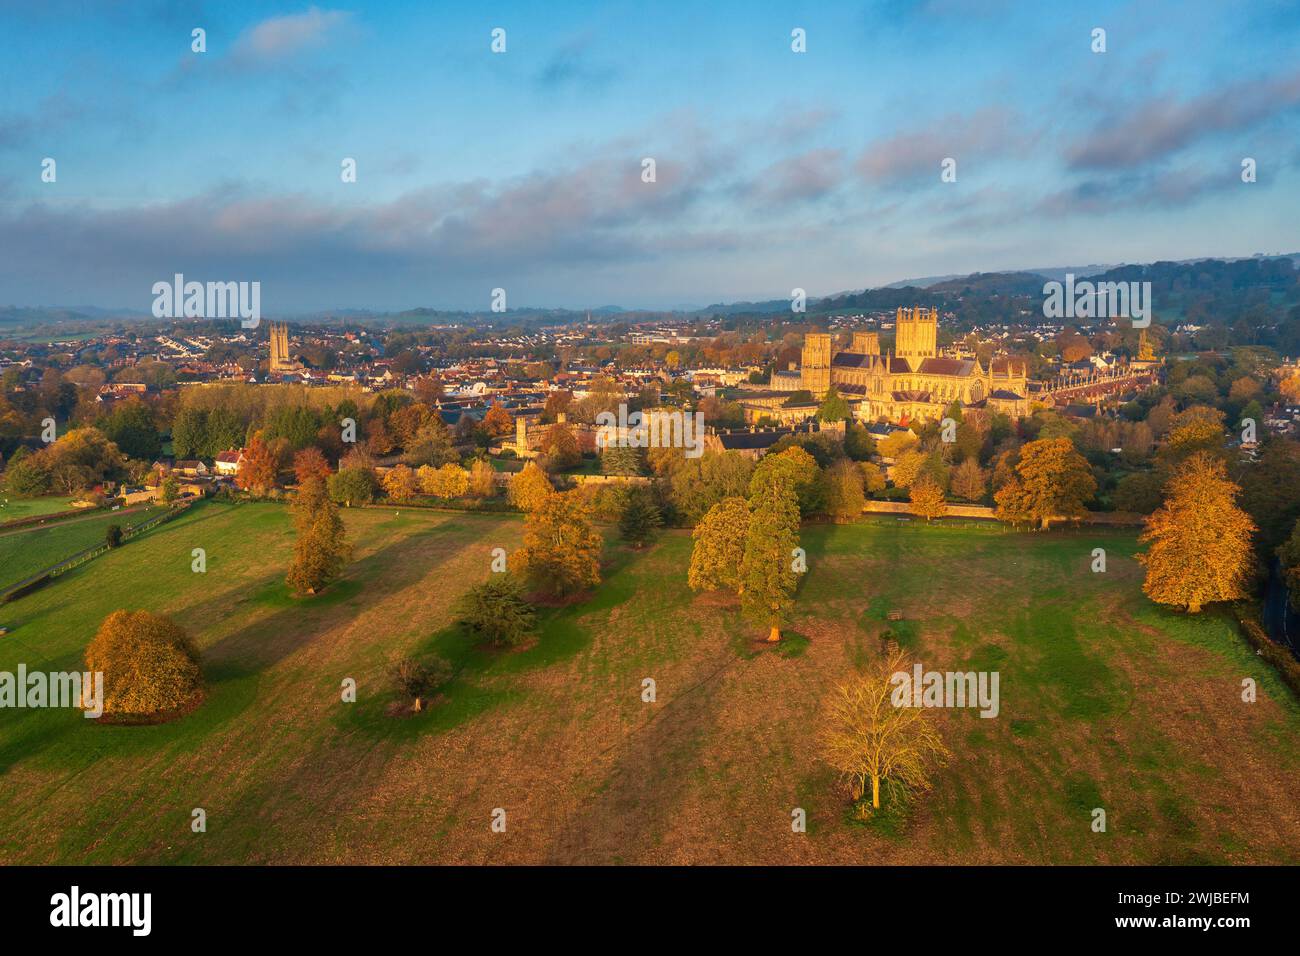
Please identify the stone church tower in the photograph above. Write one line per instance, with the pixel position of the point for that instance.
(280, 360)
(916, 333)
(816, 365)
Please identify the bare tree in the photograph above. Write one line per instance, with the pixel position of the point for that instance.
(867, 738)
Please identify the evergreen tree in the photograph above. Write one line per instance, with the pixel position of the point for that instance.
(639, 517)
(833, 408)
(620, 460)
(497, 612)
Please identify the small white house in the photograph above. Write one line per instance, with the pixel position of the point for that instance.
(228, 461)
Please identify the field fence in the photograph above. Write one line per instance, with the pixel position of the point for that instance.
(32, 582)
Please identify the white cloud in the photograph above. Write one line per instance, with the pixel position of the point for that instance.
(280, 37)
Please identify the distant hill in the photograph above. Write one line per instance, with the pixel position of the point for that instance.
(992, 283)
(1221, 290)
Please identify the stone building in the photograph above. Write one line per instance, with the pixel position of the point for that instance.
(913, 381)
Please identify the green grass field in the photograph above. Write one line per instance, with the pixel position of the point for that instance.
(1106, 701)
(27, 551)
(11, 508)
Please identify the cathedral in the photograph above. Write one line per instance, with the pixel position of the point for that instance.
(913, 382)
(280, 358)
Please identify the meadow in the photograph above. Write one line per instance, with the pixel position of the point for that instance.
(1106, 701)
(26, 551)
(13, 508)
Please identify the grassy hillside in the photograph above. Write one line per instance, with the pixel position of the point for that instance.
(1106, 702)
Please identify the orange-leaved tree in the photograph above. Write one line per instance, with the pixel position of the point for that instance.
(1200, 539)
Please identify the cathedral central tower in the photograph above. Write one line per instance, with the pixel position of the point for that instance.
(916, 333)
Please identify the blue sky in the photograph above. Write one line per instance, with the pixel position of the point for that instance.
(522, 170)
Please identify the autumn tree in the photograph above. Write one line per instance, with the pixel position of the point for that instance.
(557, 403)
(1200, 540)
(529, 488)
(560, 446)
(482, 479)
(380, 439)
(895, 443)
(428, 389)
(767, 575)
(970, 482)
(149, 664)
(696, 484)
(405, 423)
(497, 611)
(1053, 481)
(80, 459)
(320, 550)
(908, 467)
(400, 483)
(258, 471)
(1011, 504)
(844, 498)
(873, 478)
(927, 499)
(432, 445)
(719, 547)
(561, 551)
(1199, 428)
(498, 421)
(449, 481)
(310, 462)
(872, 741)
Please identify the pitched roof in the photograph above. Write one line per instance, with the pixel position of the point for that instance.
(750, 440)
(852, 360)
(946, 366)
